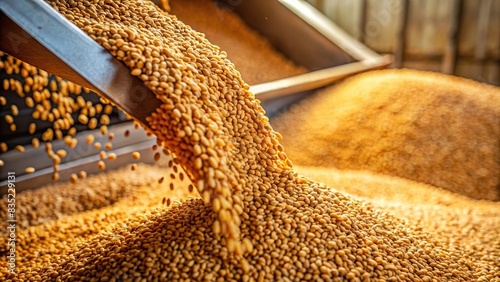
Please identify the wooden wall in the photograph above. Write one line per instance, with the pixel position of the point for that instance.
(460, 37)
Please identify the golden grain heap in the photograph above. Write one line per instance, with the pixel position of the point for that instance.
(470, 224)
(257, 219)
(423, 126)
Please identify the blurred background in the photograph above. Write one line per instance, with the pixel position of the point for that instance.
(460, 37)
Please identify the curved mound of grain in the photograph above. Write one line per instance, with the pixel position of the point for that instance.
(457, 220)
(423, 126)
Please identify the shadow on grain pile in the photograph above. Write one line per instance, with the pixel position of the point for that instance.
(428, 127)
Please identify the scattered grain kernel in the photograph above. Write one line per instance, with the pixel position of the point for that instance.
(82, 174)
(29, 170)
(104, 120)
(3, 147)
(14, 110)
(103, 129)
(55, 176)
(73, 178)
(102, 155)
(92, 123)
(90, 139)
(108, 146)
(9, 119)
(32, 128)
(83, 119)
(61, 153)
(101, 165)
(136, 155)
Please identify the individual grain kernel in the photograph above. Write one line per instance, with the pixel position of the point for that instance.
(83, 119)
(73, 143)
(108, 109)
(136, 155)
(61, 153)
(32, 128)
(102, 155)
(48, 147)
(58, 134)
(20, 148)
(72, 131)
(55, 176)
(92, 123)
(9, 119)
(90, 139)
(247, 243)
(56, 160)
(14, 110)
(101, 165)
(157, 157)
(73, 178)
(98, 108)
(104, 120)
(3, 147)
(29, 102)
(108, 146)
(82, 174)
(97, 145)
(29, 170)
(1, 163)
(103, 129)
(136, 72)
(6, 86)
(112, 156)
(133, 166)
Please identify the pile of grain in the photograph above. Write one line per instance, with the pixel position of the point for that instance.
(290, 228)
(458, 220)
(55, 201)
(427, 127)
(227, 30)
(61, 224)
